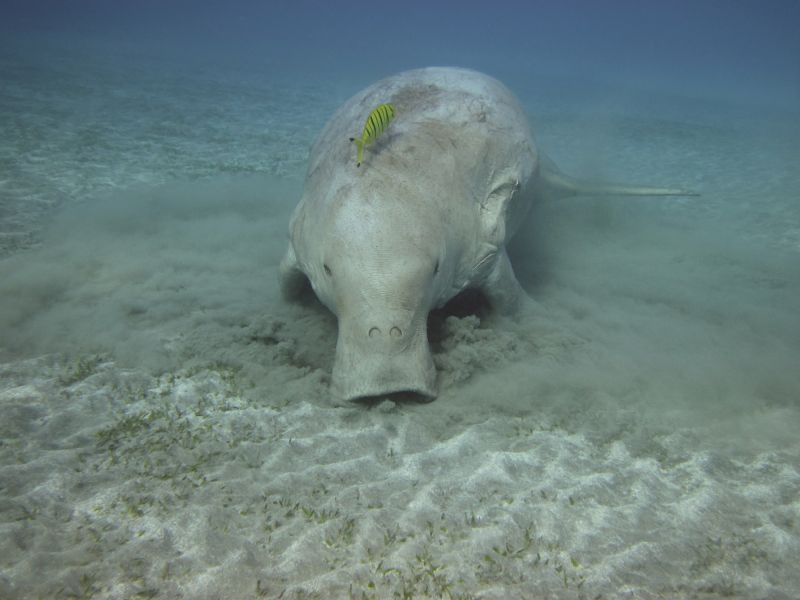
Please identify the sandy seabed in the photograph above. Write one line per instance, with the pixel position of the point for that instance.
(166, 426)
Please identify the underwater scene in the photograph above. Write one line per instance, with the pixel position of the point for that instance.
(366, 300)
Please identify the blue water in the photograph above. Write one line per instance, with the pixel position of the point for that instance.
(730, 49)
(167, 429)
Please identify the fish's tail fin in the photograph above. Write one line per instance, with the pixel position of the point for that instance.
(557, 184)
(360, 145)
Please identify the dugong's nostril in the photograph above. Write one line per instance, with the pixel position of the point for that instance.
(395, 332)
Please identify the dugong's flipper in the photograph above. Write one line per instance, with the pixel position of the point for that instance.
(292, 280)
(502, 289)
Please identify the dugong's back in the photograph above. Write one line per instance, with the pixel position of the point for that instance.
(453, 127)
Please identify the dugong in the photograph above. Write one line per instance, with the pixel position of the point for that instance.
(426, 215)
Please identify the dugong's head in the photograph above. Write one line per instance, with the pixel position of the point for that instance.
(381, 264)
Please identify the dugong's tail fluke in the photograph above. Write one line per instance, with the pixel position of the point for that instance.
(559, 185)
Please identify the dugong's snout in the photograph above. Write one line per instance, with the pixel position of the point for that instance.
(383, 356)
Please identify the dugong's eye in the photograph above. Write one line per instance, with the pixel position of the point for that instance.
(436, 268)
(327, 269)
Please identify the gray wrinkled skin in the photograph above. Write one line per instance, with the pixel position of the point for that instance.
(427, 215)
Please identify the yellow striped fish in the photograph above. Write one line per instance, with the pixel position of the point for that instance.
(377, 122)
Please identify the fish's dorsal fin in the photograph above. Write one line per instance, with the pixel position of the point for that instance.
(557, 184)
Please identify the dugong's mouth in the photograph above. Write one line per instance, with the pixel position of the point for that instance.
(422, 393)
(370, 363)
(382, 375)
